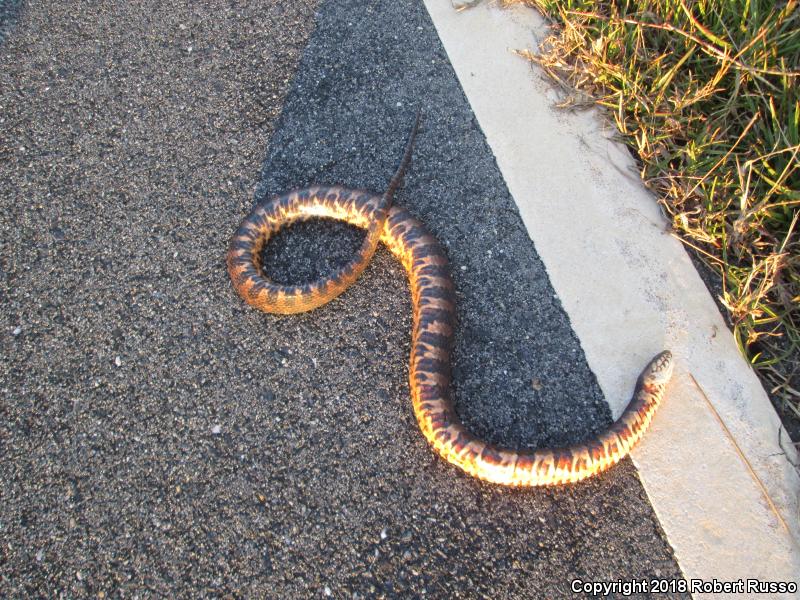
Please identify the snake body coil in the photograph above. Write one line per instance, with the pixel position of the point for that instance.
(434, 316)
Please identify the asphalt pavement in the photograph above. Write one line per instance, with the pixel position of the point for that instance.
(9, 9)
(158, 436)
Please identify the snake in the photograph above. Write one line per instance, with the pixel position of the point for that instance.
(433, 329)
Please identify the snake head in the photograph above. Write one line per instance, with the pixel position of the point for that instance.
(659, 371)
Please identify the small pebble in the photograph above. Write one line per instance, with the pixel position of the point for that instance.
(118, 361)
(216, 429)
(17, 331)
(328, 591)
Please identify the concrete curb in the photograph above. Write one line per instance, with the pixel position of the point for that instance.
(725, 491)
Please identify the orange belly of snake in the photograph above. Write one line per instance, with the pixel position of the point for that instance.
(434, 321)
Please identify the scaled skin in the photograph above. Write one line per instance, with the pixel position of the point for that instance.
(433, 301)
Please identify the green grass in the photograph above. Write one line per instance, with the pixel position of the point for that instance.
(707, 94)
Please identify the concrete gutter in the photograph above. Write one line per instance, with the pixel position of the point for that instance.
(724, 490)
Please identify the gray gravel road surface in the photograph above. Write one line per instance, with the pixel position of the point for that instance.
(9, 9)
(158, 436)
